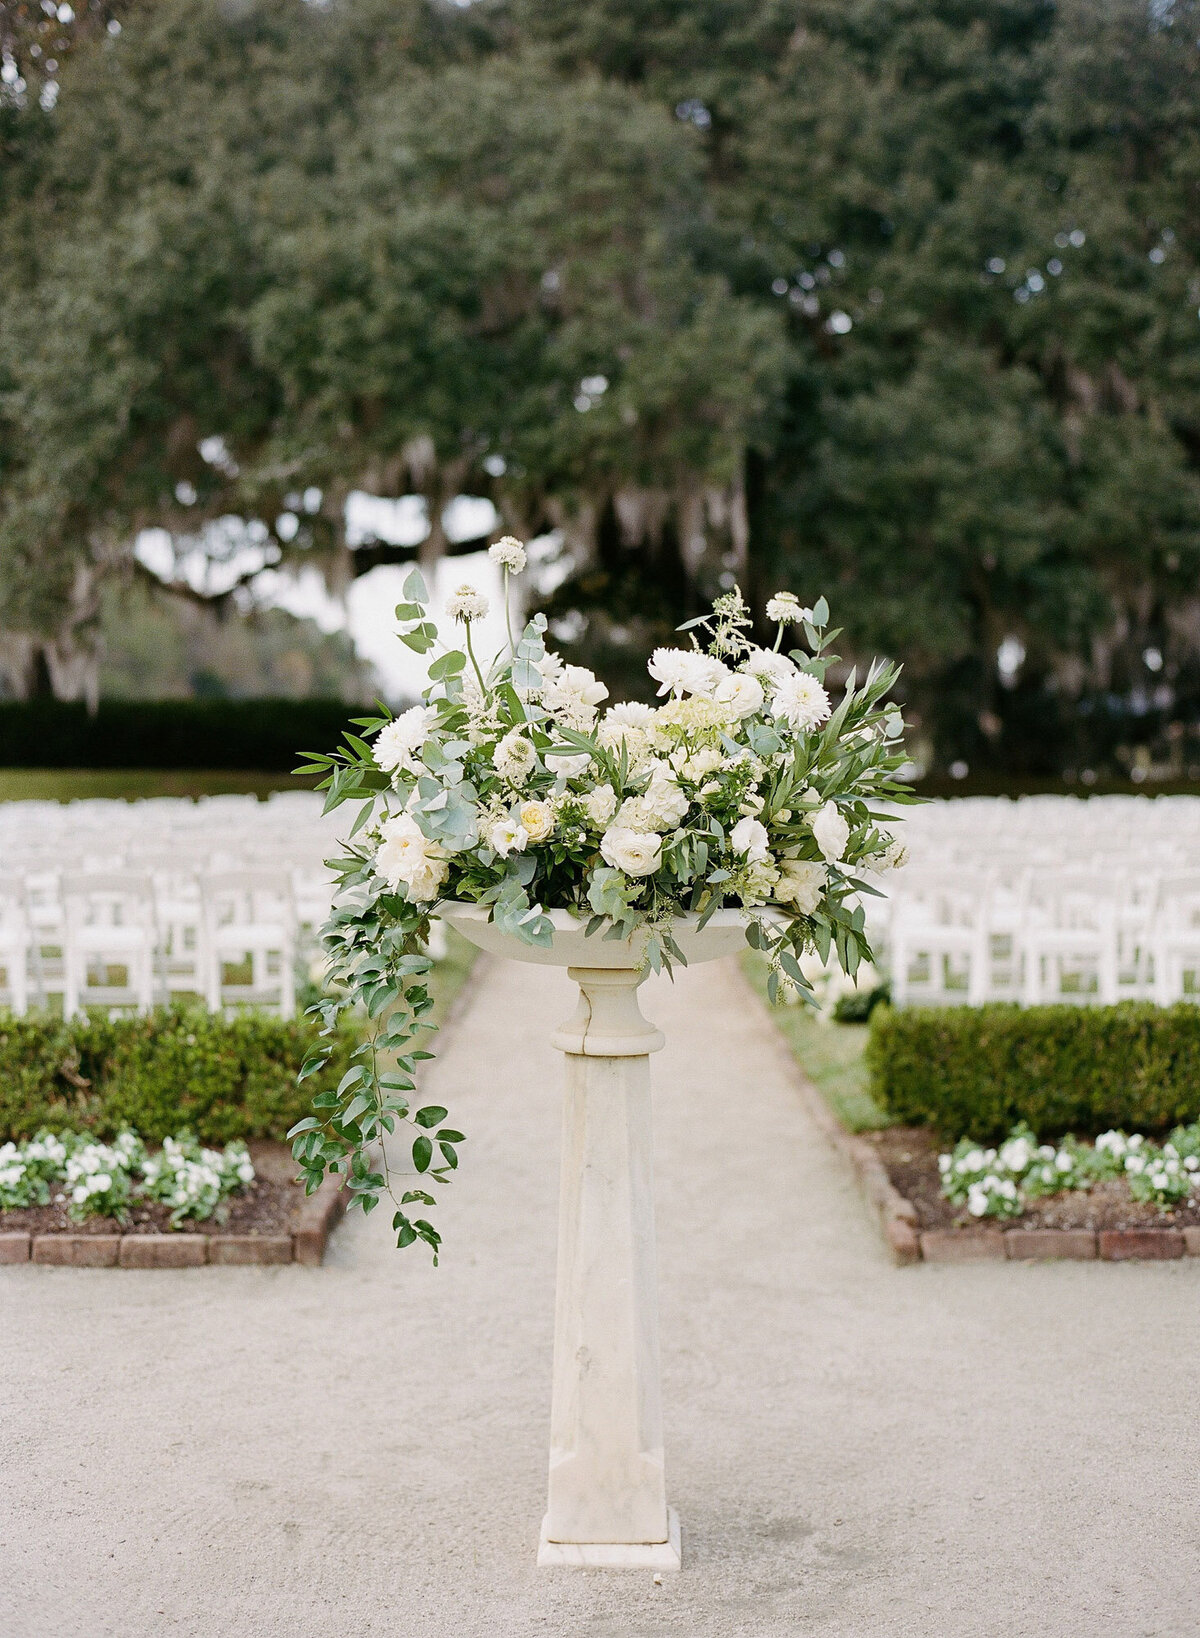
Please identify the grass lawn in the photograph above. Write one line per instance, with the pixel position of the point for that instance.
(830, 1054)
(130, 784)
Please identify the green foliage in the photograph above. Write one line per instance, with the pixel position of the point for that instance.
(179, 1067)
(1060, 1069)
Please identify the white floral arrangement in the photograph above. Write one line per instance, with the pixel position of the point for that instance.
(102, 1179)
(1001, 1182)
(512, 785)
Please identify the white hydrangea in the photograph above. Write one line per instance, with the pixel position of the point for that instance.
(398, 741)
(465, 603)
(406, 857)
(508, 553)
(800, 701)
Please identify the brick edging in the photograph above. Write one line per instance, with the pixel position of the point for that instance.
(908, 1243)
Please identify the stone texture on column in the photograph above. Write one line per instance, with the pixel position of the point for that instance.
(607, 1496)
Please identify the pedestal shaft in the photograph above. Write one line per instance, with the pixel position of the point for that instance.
(606, 1459)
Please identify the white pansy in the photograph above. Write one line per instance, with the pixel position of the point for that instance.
(398, 741)
(537, 820)
(508, 553)
(637, 853)
(830, 831)
(686, 671)
(785, 609)
(508, 835)
(406, 857)
(741, 692)
(749, 838)
(801, 883)
(465, 603)
(800, 701)
(600, 805)
(514, 758)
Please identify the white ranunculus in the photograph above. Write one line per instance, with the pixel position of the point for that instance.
(800, 701)
(537, 820)
(637, 853)
(600, 805)
(630, 714)
(508, 835)
(514, 758)
(742, 693)
(830, 831)
(686, 671)
(567, 765)
(398, 741)
(749, 838)
(406, 857)
(508, 553)
(801, 883)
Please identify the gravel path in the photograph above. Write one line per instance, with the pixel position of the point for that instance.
(855, 1450)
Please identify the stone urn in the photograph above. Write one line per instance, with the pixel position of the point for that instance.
(607, 1493)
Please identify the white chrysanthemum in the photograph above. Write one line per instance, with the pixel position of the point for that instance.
(742, 693)
(600, 805)
(514, 758)
(398, 741)
(770, 668)
(785, 609)
(630, 714)
(686, 671)
(800, 701)
(749, 838)
(508, 553)
(830, 831)
(466, 604)
(637, 853)
(801, 883)
(406, 857)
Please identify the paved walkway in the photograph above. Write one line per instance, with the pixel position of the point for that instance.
(854, 1450)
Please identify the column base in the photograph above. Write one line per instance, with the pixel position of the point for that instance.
(613, 1555)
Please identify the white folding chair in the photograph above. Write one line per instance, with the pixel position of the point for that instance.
(939, 938)
(109, 930)
(1069, 939)
(1175, 939)
(250, 940)
(15, 941)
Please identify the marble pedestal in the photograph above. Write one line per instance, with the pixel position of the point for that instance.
(607, 1505)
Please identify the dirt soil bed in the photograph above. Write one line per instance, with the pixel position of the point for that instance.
(910, 1155)
(268, 1206)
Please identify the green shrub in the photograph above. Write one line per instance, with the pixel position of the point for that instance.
(982, 1070)
(175, 1068)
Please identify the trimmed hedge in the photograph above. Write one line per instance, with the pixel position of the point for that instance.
(977, 1071)
(261, 734)
(175, 1068)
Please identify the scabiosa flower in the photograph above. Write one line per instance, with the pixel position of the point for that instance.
(508, 553)
(784, 609)
(466, 604)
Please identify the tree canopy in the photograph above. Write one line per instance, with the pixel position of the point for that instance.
(897, 300)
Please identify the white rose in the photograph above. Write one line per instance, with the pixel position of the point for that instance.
(800, 701)
(398, 741)
(514, 757)
(801, 882)
(537, 820)
(407, 857)
(830, 831)
(637, 853)
(749, 838)
(508, 836)
(600, 805)
(742, 693)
